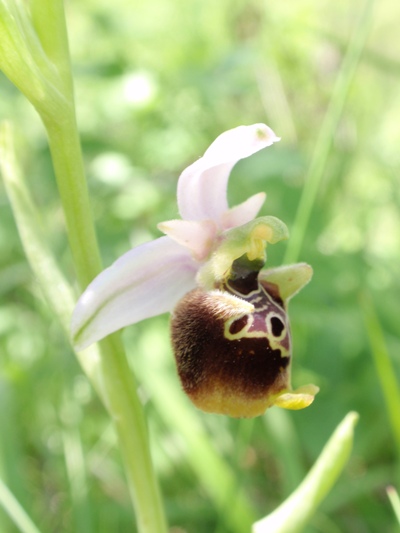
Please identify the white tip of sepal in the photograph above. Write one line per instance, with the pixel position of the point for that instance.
(202, 187)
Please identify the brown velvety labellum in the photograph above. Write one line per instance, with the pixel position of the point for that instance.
(230, 360)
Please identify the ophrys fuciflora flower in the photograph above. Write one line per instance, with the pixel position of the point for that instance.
(230, 329)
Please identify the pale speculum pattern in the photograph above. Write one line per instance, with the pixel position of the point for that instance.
(269, 318)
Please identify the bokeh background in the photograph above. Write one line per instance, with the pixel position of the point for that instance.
(156, 82)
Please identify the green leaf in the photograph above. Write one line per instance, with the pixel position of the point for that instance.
(296, 511)
(15, 511)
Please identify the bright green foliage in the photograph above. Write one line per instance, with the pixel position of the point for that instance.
(156, 81)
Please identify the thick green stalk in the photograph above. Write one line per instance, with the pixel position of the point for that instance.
(54, 38)
(69, 170)
(49, 21)
(127, 414)
(48, 65)
(105, 364)
(119, 389)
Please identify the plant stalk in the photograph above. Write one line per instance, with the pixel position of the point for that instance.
(40, 45)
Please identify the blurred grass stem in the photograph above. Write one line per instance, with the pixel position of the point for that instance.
(14, 510)
(395, 501)
(112, 375)
(75, 463)
(215, 476)
(327, 133)
(384, 367)
(105, 365)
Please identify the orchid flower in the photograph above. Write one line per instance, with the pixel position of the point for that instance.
(230, 330)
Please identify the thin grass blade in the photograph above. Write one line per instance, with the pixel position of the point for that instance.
(15, 511)
(394, 499)
(327, 132)
(384, 366)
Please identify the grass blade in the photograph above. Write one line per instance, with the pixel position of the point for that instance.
(15, 511)
(294, 513)
(383, 365)
(324, 140)
(395, 501)
(75, 465)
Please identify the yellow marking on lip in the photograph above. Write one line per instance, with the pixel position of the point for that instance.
(244, 333)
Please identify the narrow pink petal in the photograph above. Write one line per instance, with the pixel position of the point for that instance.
(202, 186)
(144, 282)
(244, 212)
(198, 236)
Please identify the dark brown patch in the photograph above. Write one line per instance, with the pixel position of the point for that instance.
(205, 358)
(244, 275)
(273, 291)
(238, 325)
(244, 284)
(277, 326)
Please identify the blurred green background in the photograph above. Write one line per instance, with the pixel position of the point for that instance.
(156, 82)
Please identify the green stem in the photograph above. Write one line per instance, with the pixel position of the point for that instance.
(127, 414)
(105, 364)
(113, 377)
(119, 389)
(49, 21)
(54, 37)
(70, 174)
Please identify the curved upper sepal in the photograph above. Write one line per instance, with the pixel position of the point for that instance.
(202, 186)
(144, 282)
(289, 278)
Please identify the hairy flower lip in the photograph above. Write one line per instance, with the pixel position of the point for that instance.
(232, 344)
(151, 278)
